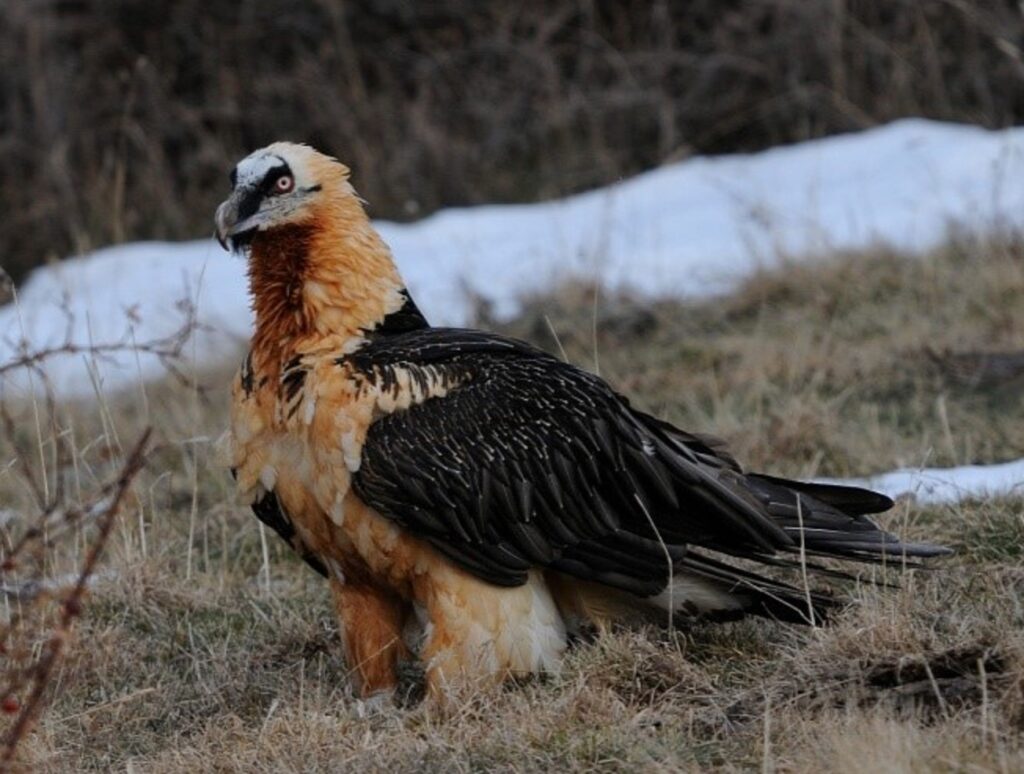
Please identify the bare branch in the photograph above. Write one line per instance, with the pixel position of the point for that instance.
(168, 349)
(34, 678)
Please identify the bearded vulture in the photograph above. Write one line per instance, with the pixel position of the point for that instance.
(471, 499)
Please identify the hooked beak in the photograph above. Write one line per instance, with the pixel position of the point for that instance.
(226, 219)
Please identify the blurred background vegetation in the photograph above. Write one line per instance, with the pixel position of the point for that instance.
(119, 119)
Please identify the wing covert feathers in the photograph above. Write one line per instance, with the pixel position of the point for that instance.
(527, 461)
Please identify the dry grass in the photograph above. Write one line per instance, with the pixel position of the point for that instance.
(203, 650)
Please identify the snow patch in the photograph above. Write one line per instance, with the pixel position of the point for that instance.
(948, 485)
(687, 229)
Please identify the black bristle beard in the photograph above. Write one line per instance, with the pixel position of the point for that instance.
(240, 242)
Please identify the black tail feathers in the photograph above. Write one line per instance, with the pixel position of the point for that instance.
(832, 520)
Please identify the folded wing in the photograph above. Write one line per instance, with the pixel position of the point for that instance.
(533, 462)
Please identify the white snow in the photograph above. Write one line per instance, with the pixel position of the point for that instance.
(948, 485)
(689, 229)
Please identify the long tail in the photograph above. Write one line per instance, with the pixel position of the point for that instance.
(822, 520)
(770, 521)
(830, 520)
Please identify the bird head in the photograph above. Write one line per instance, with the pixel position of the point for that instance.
(317, 268)
(276, 186)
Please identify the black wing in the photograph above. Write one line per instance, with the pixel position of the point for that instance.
(533, 462)
(268, 510)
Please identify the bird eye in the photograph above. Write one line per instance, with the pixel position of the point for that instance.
(284, 184)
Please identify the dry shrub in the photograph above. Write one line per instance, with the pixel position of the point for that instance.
(119, 119)
(54, 535)
(40, 610)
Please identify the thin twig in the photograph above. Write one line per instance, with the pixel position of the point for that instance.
(39, 674)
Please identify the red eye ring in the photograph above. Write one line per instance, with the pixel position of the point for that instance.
(284, 184)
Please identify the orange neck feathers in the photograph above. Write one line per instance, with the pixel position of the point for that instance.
(321, 281)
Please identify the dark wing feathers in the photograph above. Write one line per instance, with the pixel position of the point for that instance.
(268, 510)
(533, 462)
(832, 519)
(851, 500)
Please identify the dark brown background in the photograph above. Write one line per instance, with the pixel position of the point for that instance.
(119, 119)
